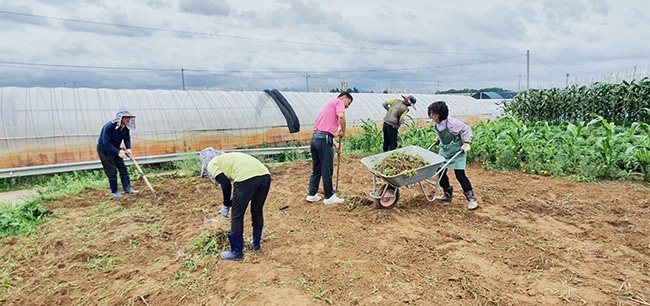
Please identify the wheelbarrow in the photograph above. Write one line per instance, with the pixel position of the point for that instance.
(386, 196)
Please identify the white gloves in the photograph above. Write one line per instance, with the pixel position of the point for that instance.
(224, 211)
(122, 154)
(128, 152)
(465, 147)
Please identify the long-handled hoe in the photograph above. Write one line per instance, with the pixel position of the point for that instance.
(141, 173)
(338, 166)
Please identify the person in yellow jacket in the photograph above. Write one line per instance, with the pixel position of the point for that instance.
(396, 111)
(251, 184)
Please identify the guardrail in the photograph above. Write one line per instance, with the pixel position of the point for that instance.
(96, 164)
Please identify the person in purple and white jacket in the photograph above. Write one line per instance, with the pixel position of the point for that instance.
(454, 136)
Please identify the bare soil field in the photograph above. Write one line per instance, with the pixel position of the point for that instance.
(533, 241)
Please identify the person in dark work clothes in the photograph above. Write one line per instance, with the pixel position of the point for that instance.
(110, 153)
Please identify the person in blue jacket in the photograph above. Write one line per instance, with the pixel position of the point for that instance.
(111, 154)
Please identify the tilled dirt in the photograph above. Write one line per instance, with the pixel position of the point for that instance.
(533, 241)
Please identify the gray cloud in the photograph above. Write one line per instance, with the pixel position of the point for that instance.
(205, 7)
(252, 44)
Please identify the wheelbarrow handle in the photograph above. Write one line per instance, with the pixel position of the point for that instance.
(433, 144)
(450, 160)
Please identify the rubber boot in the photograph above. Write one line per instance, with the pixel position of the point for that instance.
(257, 237)
(113, 184)
(126, 184)
(472, 200)
(236, 248)
(449, 191)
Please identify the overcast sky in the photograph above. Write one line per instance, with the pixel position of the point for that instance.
(374, 45)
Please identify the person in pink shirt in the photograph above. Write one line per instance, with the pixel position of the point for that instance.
(322, 145)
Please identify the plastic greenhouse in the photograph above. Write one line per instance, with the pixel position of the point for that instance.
(44, 127)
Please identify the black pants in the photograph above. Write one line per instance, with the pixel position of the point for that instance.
(460, 176)
(253, 190)
(390, 137)
(322, 163)
(112, 164)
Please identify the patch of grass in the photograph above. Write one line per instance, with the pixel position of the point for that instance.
(126, 290)
(211, 243)
(285, 157)
(154, 228)
(353, 201)
(189, 264)
(184, 283)
(6, 268)
(324, 296)
(104, 262)
(22, 219)
(302, 283)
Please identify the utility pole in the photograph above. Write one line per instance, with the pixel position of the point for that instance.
(527, 69)
(183, 76)
(567, 79)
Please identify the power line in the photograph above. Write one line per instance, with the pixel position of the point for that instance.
(547, 64)
(87, 67)
(185, 32)
(207, 71)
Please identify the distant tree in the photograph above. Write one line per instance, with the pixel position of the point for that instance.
(348, 90)
(457, 91)
(494, 89)
(471, 90)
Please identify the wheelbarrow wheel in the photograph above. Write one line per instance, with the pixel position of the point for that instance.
(390, 198)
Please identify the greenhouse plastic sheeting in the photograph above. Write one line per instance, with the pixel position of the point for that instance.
(43, 126)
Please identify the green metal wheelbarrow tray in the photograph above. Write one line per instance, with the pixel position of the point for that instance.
(387, 196)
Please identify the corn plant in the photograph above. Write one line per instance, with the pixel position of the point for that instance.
(370, 140)
(640, 154)
(418, 133)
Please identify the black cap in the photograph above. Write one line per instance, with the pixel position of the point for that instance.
(411, 100)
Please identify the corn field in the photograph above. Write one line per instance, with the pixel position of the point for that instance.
(592, 150)
(622, 103)
(582, 150)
